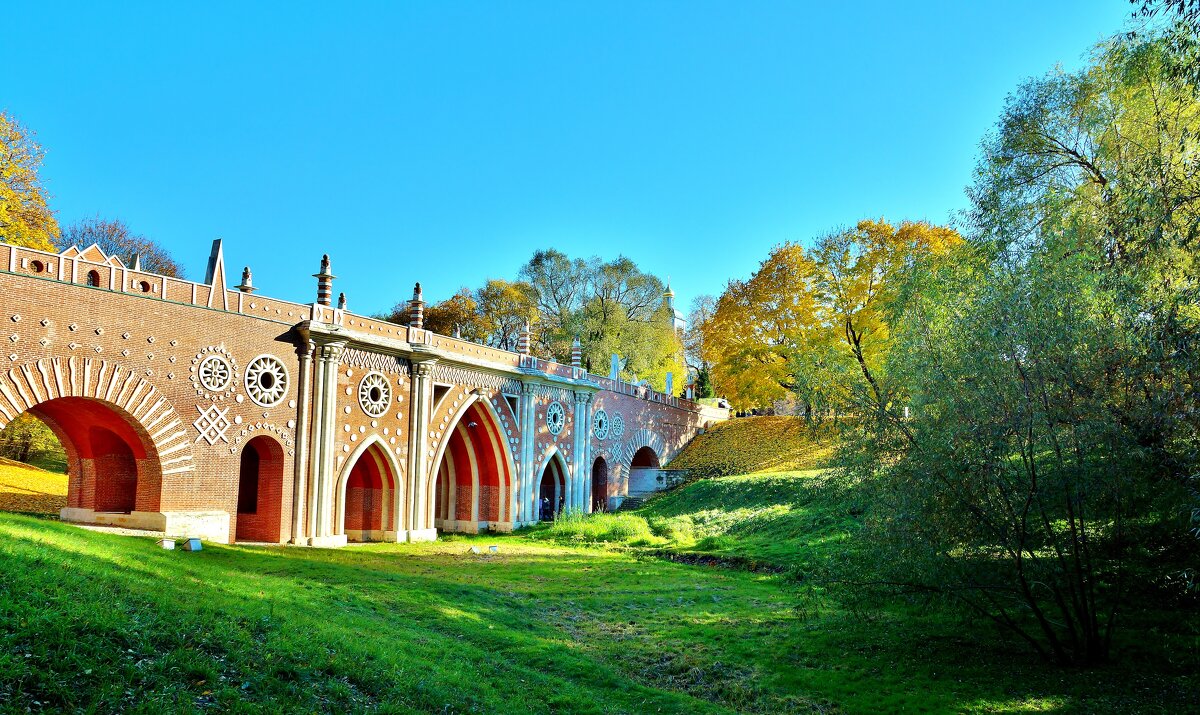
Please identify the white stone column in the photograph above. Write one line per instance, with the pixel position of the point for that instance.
(421, 526)
(300, 493)
(583, 450)
(529, 476)
(324, 434)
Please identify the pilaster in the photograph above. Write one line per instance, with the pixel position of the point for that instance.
(528, 513)
(421, 526)
(301, 526)
(581, 451)
(329, 355)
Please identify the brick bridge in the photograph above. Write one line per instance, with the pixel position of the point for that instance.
(203, 410)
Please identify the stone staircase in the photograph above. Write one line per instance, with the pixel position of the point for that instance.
(631, 503)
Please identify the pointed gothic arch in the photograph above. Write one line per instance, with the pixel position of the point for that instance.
(551, 486)
(470, 485)
(370, 494)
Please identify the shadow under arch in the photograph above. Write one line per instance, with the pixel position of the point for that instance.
(370, 494)
(470, 487)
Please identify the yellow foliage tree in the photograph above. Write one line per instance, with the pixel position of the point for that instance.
(25, 216)
(815, 324)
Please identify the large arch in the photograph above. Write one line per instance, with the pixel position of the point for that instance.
(141, 407)
(259, 510)
(113, 468)
(471, 485)
(369, 494)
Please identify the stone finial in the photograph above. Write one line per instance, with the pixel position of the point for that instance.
(458, 332)
(341, 301)
(416, 309)
(523, 342)
(247, 284)
(576, 353)
(324, 282)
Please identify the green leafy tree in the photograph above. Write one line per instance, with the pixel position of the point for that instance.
(1048, 366)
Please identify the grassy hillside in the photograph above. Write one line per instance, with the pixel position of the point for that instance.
(31, 490)
(755, 444)
(730, 621)
(794, 521)
(789, 521)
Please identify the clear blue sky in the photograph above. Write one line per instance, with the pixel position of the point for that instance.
(445, 142)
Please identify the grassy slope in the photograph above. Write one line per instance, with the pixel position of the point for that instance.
(788, 520)
(755, 444)
(29, 489)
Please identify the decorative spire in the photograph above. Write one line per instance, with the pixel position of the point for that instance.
(341, 301)
(247, 285)
(458, 331)
(324, 282)
(523, 342)
(416, 309)
(576, 353)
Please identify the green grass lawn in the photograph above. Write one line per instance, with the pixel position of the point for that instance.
(96, 622)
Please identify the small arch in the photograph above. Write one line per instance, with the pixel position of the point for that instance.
(93, 278)
(144, 286)
(260, 491)
(600, 485)
(37, 266)
(552, 488)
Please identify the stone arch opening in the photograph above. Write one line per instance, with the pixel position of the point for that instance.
(472, 486)
(368, 497)
(643, 458)
(93, 279)
(260, 491)
(552, 489)
(113, 466)
(643, 471)
(600, 484)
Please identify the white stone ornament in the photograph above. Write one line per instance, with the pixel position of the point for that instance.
(374, 394)
(266, 380)
(556, 417)
(600, 424)
(212, 424)
(617, 426)
(215, 373)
